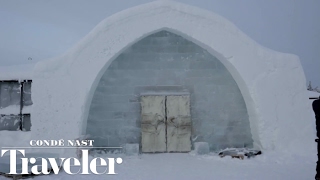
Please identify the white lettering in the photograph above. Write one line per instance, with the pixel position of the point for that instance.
(54, 164)
(35, 169)
(67, 165)
(85, 160)
(61, 142)
(32, 143)
(93, 165)
(91, 142)
(71, 165)
(13, 159)
(39, 143)
(25, 163)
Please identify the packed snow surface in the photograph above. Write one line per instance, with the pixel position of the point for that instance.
(177, 166)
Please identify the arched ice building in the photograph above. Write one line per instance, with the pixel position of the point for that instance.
(166, 75)
(164, 67)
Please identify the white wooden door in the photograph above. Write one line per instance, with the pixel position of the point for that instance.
(178, 123)
(153, 128)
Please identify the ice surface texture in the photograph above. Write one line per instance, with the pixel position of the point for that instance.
(9, 94)
(201, 148)
(10, 104)
(131, 149)
(167, 63)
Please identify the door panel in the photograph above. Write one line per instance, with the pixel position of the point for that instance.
(153, 128)
(178, 124)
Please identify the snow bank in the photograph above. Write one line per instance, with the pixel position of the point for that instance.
(273, 84)
(188, 167)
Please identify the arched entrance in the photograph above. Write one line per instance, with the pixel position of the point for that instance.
(163, 64)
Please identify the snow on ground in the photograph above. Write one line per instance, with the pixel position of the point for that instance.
(269, 166)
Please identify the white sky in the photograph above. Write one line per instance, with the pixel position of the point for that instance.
(46, 28)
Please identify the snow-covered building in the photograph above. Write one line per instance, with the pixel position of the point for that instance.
(166, 75)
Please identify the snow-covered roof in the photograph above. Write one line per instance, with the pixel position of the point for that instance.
(16, 72)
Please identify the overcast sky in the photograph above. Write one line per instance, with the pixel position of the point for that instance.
(46, 28)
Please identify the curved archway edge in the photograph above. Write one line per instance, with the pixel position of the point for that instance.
(226, 63)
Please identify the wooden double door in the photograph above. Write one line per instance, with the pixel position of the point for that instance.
(165, 123)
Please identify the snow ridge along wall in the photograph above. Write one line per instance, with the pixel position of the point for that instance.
(271, 83)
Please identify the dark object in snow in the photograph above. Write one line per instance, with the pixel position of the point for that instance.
(316, 106)
(239, 153)
(252, 154)
(316, 109)
(314, 97)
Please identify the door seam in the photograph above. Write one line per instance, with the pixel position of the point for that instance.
(165, 120)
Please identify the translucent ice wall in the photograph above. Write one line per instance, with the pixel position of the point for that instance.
(169, 64)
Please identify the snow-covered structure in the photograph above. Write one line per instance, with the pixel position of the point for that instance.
(236, 92)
